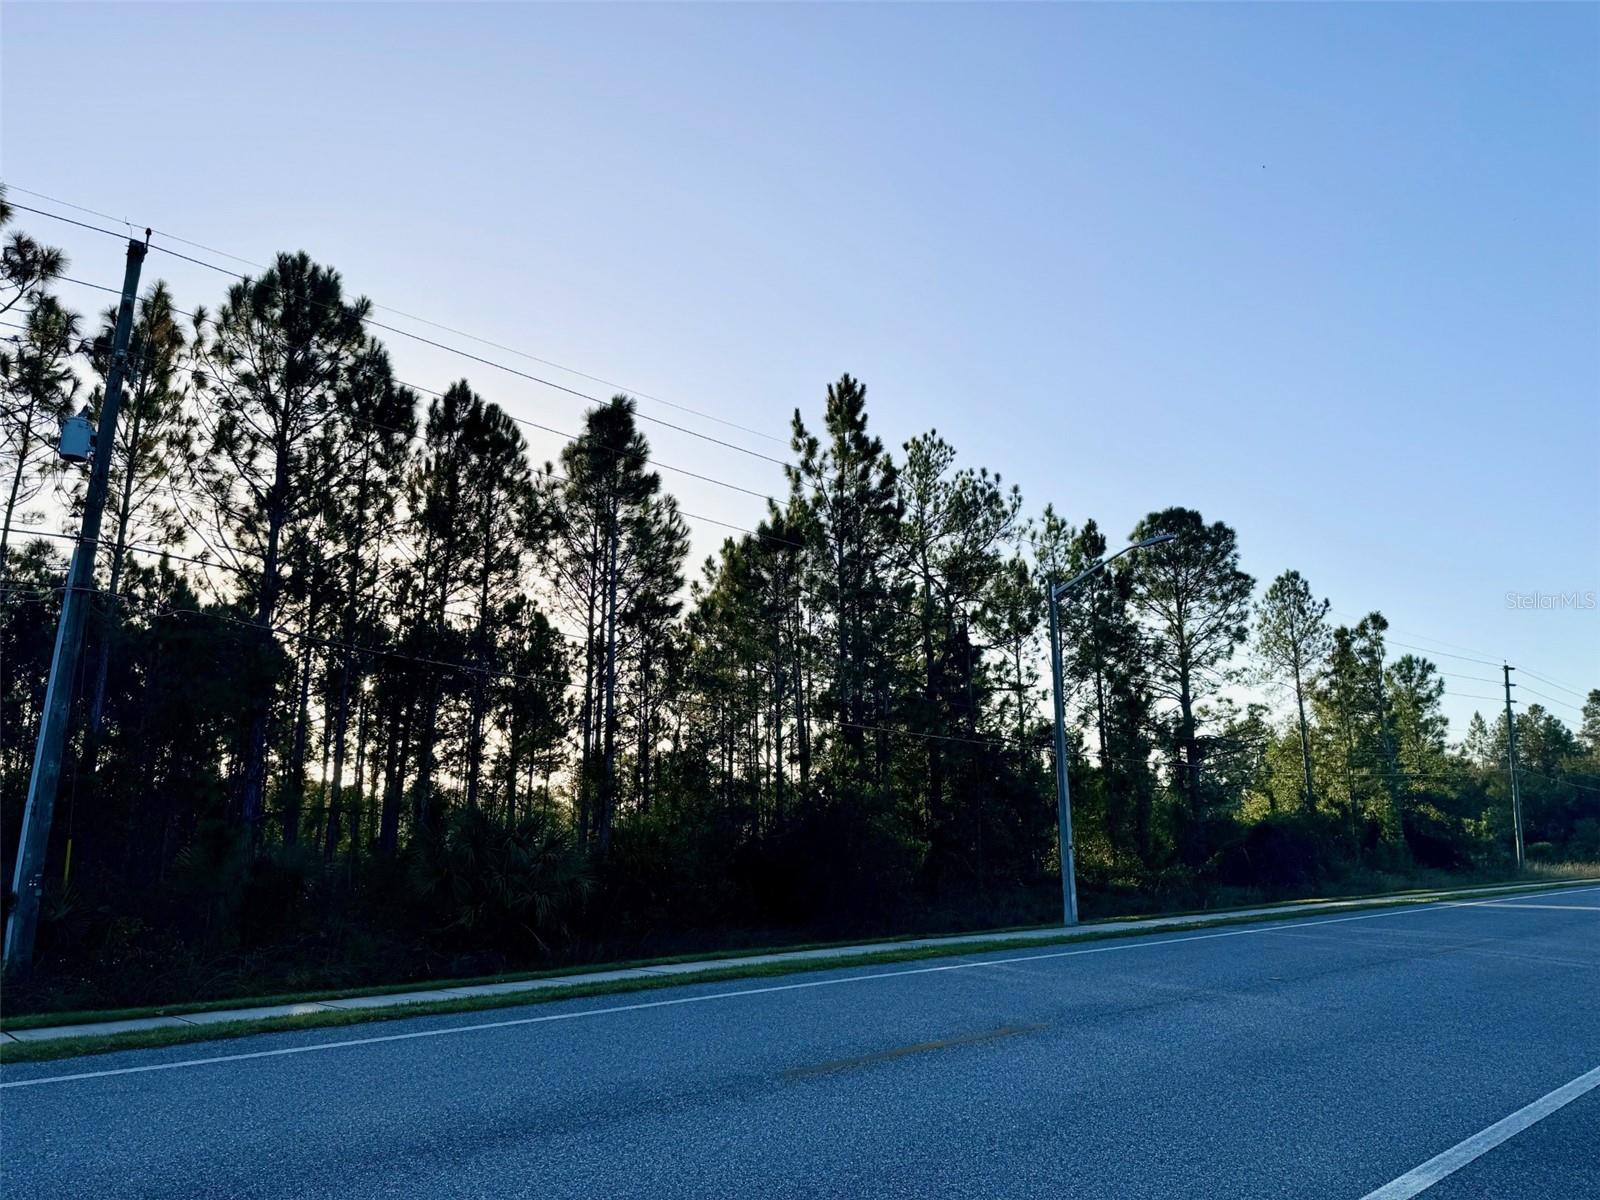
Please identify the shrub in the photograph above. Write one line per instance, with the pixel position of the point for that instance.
(1289, 853)
(482, 886)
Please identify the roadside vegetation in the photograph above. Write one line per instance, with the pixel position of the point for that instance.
(371, 696)
(85, 1041)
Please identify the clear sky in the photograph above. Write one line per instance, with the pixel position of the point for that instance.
(1329, 273)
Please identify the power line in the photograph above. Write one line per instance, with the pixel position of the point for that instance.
(561, 387)
(437, 325)
(94, 212)
(1559, 782)
(418, 436)
(584, 375)
(565, 389)
(532, 424)
(814, 718)
(1427, 638)
(68, 220)
(1558, 686)
(569, 437)
(103, 544)
(1441, 653)
(1467, 657)
(332, 644)
(424, 320)
(1552, 699)
(573, 437)
(99, 287)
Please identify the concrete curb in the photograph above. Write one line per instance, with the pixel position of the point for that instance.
(1022, 937)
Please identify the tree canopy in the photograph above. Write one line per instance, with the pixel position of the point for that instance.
(371, 694)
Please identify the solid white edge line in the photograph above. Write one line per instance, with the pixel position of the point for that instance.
(1420, 1179)
(545, 1018)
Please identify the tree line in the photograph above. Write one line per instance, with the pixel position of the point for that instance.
(371, 694)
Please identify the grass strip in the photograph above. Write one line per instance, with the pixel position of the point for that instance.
(39, 1020)
(145, 1039)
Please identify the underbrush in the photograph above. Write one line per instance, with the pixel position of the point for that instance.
(133, 965)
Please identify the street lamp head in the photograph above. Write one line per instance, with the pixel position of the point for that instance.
(1155, 539)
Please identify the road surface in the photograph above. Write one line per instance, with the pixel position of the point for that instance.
(1325, 1057)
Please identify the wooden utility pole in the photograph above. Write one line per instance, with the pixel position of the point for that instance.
(1511, 762)
(34, 841)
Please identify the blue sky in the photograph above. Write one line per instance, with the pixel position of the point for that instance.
(1328, 273)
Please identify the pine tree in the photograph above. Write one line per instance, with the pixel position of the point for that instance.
(1103, 651)
(360, 512)
(40, 389)
(955, 529)
(616, 555)
(1195, 601)
(1353, 705)
(278, 352)
(1292, 639)
(37, 384)
(848, 485)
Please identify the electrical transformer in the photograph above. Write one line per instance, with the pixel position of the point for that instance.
(77, 438)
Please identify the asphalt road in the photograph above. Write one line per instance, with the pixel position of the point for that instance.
(1319, 1058)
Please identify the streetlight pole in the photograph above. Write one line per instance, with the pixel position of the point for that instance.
(1069, 874)
(1054, 592)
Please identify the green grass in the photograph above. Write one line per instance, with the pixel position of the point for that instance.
(1551, 873)
(73, 1047)
(1565, 871)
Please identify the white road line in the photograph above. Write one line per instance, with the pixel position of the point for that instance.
(1420, 1179)
(1495, 901)
(546, 1018)
(1588, 908)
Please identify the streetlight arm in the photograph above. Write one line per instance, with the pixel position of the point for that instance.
(1154, 540)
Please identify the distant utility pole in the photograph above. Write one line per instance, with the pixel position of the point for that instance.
(1511, 760)
(34, 842)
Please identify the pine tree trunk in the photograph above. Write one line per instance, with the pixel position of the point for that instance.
(253, 776)
(801, 693)
(1305, 738)
(341, 722)
(778, 765)
(1191, 764)
(585, 762)
(294, 797)
(608, 795)
(397, 735)
(422, 805)
(360, 809)
(934, 793)
(644, 728)
(16, 481)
